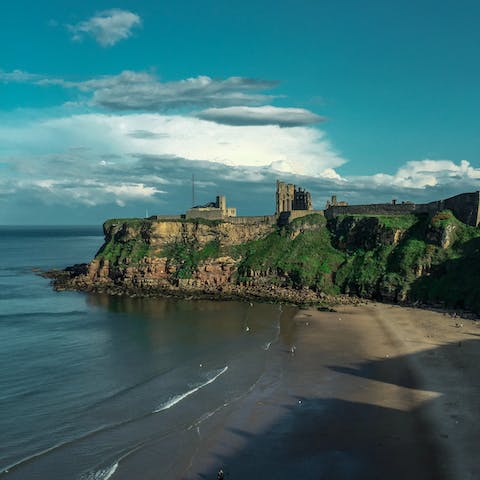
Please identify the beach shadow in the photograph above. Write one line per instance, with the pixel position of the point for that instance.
(398, 370)
(335, 439)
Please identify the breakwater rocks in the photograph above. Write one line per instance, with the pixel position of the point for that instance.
(405, 258)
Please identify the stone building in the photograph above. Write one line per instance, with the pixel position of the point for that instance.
(289, 198)
(333, 202)
(217, 210)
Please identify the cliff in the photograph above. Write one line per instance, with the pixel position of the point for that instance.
(396, 258)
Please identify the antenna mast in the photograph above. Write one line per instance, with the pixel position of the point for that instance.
(193, 190)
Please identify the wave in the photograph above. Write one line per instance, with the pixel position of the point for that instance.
(105, 427)
(48, 450)
(102, 474)
(178, 398)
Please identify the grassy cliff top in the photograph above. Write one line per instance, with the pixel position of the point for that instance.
(402, 222)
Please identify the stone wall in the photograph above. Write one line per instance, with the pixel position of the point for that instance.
(465, 206)
(250, 220)
(254, 220)
(165, 217)
(206, 213)
(372, 209)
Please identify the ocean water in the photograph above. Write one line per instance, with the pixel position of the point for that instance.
(93, 386)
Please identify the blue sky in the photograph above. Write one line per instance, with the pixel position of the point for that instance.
(107, 108)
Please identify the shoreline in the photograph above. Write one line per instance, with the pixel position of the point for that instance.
(301, 298)
(375, 391)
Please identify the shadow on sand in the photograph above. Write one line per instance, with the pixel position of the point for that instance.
(329, 438)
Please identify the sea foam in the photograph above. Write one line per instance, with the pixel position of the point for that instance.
(102, 474)
(178, 398)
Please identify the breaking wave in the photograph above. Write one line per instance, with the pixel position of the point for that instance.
(102, 474)
(178, 398)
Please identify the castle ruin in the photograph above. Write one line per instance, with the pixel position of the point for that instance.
(292, 202)
(333, 202)
(289, 197)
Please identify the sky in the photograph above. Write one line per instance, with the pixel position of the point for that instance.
(108, 108)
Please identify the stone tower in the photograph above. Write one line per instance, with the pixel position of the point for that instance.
(285, 197)
(221, 202)
(289, 198)
(302, 200)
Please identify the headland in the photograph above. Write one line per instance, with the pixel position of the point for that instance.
(397, 252)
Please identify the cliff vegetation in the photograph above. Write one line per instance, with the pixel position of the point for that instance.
(395, 258)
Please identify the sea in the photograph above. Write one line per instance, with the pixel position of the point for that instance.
(94, 387)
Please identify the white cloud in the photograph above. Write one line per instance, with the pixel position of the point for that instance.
(121, 166)
(107, 27)
(265, 115)
(89, 192)
(418, 174)
(136, 191)
(331, 174)
(297, 150)
(117, 141)
(97, 159)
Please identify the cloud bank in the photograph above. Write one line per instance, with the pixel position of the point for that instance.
(107, 27)
(148, 159)
(145, 137)
(296, 150)
(130, 90)
(265, 115)
(143, 91)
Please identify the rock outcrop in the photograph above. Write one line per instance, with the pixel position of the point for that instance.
(149, 256)
(398, 259)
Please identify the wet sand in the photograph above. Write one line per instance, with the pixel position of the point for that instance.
(371, 391)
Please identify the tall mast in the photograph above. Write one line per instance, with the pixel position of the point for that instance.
(193, 190)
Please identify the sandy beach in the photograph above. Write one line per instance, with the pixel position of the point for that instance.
(365, 392)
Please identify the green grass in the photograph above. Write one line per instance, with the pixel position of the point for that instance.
(307, 260)
(130, 222)
(401, 222)
(455, 281)
(313, 219)
(186, 257)
(132, 251)
(363, 271)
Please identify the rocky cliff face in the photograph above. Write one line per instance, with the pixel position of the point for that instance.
(141, 256)
(158, 234)
(395, 258)
(352, 233)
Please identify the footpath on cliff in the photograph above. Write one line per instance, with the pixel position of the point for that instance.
(366, 392)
